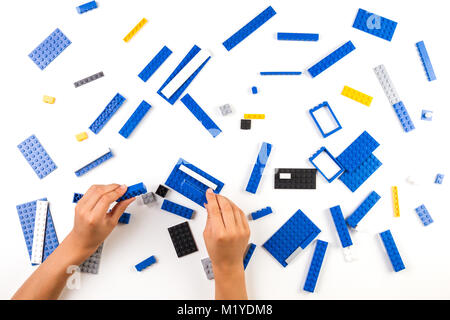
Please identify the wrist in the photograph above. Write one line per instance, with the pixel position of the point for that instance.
(228, 270)
(77, 251)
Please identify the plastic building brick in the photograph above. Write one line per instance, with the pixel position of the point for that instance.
(225, 109)
(94, 164)
(254, 116)
(315, 155)
(133, 191)
(87, 7)
(403, 116)
(162, 191)
(331, 59)
(258, 168)
(315, 266)
(207, 266)
(107, 113)
(86, 80)
(327, 106)
(182, 239)
(134, 120)
(439, 178)
(392, 251)
(395, 204)
(427, 115)
(48, 99)
(254, 90)
(353, 180)
(386, 84)
(81, 136)
(155, 63)
(280, 73)
(375, 25)
(288, 36)
(40, 222)
(148, 198)
(295, 178)
(186, 60)
(91, 264)
(177, 209)
(135, 30)
(246, 124)
(124, 218)
(27, 213)
(145, 264)
(298, 232)
(426, 60)
(37, 157)
(77, 197)
(341, 226)
(249, 28)
(357, 96)
(49, 49)
(363, 209)
(358, 151)
(201, 115)
(248, 255)
(261, 213)
(424, 215)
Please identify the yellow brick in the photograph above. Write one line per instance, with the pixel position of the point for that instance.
(395, 202)
(254, 116)
(81, 136)
(357, 96)
(135, 30)
(48, 99)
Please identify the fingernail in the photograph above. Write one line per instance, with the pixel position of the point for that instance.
(210, 191)
(123, 187)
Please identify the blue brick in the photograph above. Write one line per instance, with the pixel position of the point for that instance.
(155, 63)
(392, 251)
(107, 113)
(191, 54)
(403, 116)
(133, 191)
(177, 209)
(363, 209)
(145, 264)
(341, 226)
(37, 157)
(353, 180)
(87, 7)
(325, 105)
(49, 49)
(315, 155)
(77, 197)
(94, 164)
(426, 62)
(261, 213)
(201, 115)
(249, 28)
(439, 178)
(134, 120)
(331, 59)
(297, 36)
(298, 232)
(249, 254)
(258, 168)
(125, 218)
(254, 90)
(358, 152)
(315, 266)
(27, 214)
(424, 215)
(385, 30)
(189, 186)
(280, 73)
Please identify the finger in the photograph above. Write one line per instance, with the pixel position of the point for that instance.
(120, 208)
(94, 193)
(227, 212)
(213, 209)
(107, 199)
(239, 216)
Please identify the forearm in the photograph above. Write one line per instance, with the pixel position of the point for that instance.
(230, 283)
(49, 279)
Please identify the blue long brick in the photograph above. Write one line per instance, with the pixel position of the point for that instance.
(315, 266)
(107, 113)
(331, 59)
(201, 115)
(155, 63)
(258, 168)
(135, 119)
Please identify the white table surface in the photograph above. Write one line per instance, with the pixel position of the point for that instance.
(170, 132)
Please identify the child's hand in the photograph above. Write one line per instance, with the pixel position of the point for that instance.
(93, 223)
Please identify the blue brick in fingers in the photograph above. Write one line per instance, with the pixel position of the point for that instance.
(155, 63)
(258, 168)
(426, 62)
(37, 157)
(341, 226)
(353, 180)
(331, 59)
(94, 164)
(289, 36)
(358, 152)
(133, 191)
(125, 218)
(49, 49)
(177, 209)
(107, 113)
(392, 251)
(363, 209)
(424, 215)
(315, 266)
(87, 7)
(145, 264)
(261, 213)
(134, 120)
(201, 115)
(403, 116)
(375, 25)
(249, 254)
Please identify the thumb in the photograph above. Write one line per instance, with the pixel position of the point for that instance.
(120, 208)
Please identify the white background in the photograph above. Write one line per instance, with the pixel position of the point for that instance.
(169, 132)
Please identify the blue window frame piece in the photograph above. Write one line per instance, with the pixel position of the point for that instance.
(325, 105)
(314, 156)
